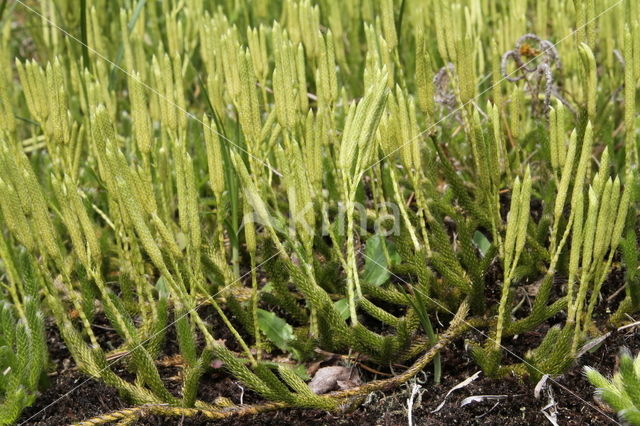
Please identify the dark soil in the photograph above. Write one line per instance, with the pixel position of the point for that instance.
(573, 396)
(71, 397)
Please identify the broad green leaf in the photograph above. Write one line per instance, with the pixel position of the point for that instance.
(342, 306)
(275, 329)
(376, 268)
(482, 242)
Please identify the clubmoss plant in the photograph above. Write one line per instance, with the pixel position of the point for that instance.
(622, 391)
(22, 339)
(356, 177)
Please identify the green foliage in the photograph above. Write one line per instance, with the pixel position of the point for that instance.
(23, 352)
(622, 391)
(629, 249)
(345, 165)
(276, 330)
(380, 256)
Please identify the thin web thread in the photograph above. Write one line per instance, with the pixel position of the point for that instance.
(130, 351)
(472, 100)
(190, 115)
(493, 340)
(145, 85)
